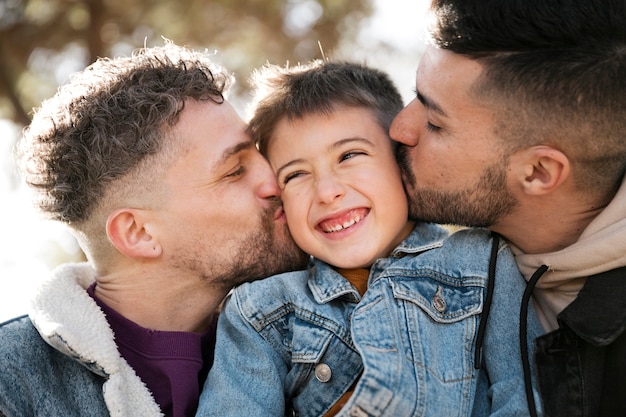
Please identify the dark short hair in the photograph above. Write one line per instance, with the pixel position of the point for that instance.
(319, 87)
(555, 73)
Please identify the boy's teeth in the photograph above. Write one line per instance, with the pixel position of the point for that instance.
(345, 225)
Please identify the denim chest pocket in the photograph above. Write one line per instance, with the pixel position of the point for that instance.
(439, 317)
(323, 363)
(445, 299)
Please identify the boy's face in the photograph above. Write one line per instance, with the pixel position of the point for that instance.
(341, 186)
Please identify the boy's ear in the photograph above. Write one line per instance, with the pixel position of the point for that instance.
(541, 169)
(129, 232)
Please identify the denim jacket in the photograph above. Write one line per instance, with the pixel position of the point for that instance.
(298, 341)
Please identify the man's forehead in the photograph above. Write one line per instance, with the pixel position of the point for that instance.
(443, 76)
(213, 125)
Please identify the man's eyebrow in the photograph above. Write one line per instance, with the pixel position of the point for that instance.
(234, 150)
(429, 104)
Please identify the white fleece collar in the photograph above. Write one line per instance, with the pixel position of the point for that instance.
(69, 320)
(600, 248)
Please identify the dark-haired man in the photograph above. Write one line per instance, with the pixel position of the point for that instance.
(519, 125)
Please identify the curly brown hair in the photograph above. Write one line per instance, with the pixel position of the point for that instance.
(107, 122)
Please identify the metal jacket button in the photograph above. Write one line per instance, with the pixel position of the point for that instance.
(438, 302)
(323, 372)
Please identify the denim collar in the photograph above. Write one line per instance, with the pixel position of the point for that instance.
(425, 236)
(327, 284)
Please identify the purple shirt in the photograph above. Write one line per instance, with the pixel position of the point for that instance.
(173, 365)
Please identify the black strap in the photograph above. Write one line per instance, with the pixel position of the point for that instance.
(478, 352)
(523, 338)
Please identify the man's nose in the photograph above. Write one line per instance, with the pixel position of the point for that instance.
(267, 185)
(404, 128)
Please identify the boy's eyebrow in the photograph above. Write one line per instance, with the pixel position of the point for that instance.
(430, 104)
(347, 140)
(287, 165)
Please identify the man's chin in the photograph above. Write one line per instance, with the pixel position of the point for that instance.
(462, 210)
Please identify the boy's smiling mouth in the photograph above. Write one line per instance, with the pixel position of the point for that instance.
(343, 221)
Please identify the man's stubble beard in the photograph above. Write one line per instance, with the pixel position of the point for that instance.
(482, 205)
(264, 253)
(261, 253)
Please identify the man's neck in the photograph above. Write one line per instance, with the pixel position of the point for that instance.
(548, 227)
(160, 302)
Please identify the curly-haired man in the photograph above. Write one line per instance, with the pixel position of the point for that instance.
(152, 170)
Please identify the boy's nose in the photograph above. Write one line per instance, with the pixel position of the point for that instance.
(329, 189)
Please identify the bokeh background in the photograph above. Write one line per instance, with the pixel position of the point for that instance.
(42, 42)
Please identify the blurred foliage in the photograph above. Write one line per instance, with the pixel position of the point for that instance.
(43, 41)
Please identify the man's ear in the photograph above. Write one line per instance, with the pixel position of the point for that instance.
(541, 169)
(129, 232)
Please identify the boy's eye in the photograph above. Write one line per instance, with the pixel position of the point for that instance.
(350, 154)
(288, 177)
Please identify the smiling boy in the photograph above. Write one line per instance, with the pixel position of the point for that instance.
(371, 328)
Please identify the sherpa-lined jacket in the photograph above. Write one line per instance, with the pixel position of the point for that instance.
(62, 360)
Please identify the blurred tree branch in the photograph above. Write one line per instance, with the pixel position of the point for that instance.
(247, 33)
(7, 86)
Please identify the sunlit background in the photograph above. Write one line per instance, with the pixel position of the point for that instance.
(387, 34)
